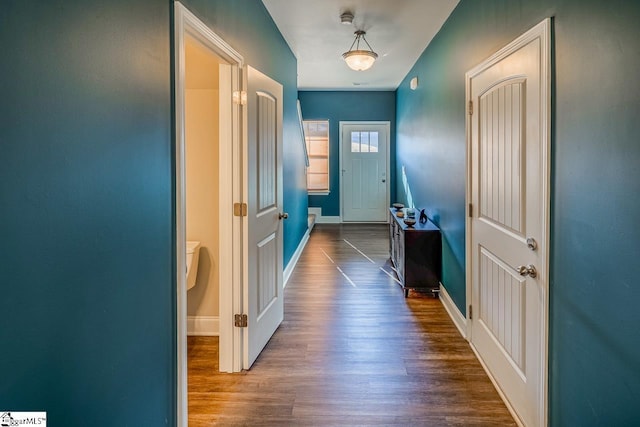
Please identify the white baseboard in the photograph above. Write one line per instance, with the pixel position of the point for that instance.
(328, 220)
(315, 211)
(203, 326)
(458, 319)
(461, 323)
(501, 393)
(294, 259)
(311, 221)
(324, 219)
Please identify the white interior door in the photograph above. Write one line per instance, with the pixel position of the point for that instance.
(263, 296)
(508, 176)
(364, 168)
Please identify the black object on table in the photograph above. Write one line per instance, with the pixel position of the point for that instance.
(416, 254)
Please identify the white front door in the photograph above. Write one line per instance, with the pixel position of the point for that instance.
(364, 171)
(508, 231)
(263, 296)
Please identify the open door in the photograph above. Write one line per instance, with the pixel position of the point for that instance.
(263, 291)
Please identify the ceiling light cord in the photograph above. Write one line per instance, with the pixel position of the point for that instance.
(360, 35)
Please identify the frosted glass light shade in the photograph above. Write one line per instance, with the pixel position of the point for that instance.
(360, 60)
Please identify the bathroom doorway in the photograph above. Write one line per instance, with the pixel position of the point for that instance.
(205, 72)
(208, 180)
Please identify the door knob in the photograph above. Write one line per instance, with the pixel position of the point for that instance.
(528, 270)
(283, 215)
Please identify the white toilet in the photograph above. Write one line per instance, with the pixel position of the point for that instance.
(193, 253)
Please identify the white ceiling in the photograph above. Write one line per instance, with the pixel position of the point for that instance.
(397, 30)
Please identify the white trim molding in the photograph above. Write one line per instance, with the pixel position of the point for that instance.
(203, 326)
(324, 219)
(294, 259)
(512, 411)
(186, 24)
(452, 309)
(328, 220)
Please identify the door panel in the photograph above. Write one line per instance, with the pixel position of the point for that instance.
(266, 173)
(268, 287)
(508, 162)
(263, 294)
(364, 181)
(501, 306)
(501, 144)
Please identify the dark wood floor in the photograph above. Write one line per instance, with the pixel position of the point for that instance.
(349, 352)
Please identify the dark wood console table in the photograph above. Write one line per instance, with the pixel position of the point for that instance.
(416, 254)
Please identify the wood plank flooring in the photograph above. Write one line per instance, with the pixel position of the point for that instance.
(352, 351)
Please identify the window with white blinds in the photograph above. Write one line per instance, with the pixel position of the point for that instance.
(317, 139)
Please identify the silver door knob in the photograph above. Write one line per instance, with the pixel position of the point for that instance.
(528, 270)
(283, 215)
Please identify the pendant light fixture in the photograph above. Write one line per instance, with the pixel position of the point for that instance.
(359, 59)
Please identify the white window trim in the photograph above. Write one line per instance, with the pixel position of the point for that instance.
(328, 190)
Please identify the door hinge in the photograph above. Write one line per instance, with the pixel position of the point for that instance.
(470, 210)
(470, 108)
(240, 97)
(240, 320)
(470, 313)
(239, 209)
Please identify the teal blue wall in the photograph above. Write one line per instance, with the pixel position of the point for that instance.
(247, 27)
(86, 200)
(347, 106)
(594, 289)
(86, 245)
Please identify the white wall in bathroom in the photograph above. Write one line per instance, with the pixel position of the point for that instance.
(202, 138)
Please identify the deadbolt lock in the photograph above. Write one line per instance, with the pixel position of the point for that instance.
(532, 244)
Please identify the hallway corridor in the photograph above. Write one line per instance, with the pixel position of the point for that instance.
(351, 351)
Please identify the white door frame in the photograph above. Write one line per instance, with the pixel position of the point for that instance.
(543, 32)
(387, 125)
(230, 261)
